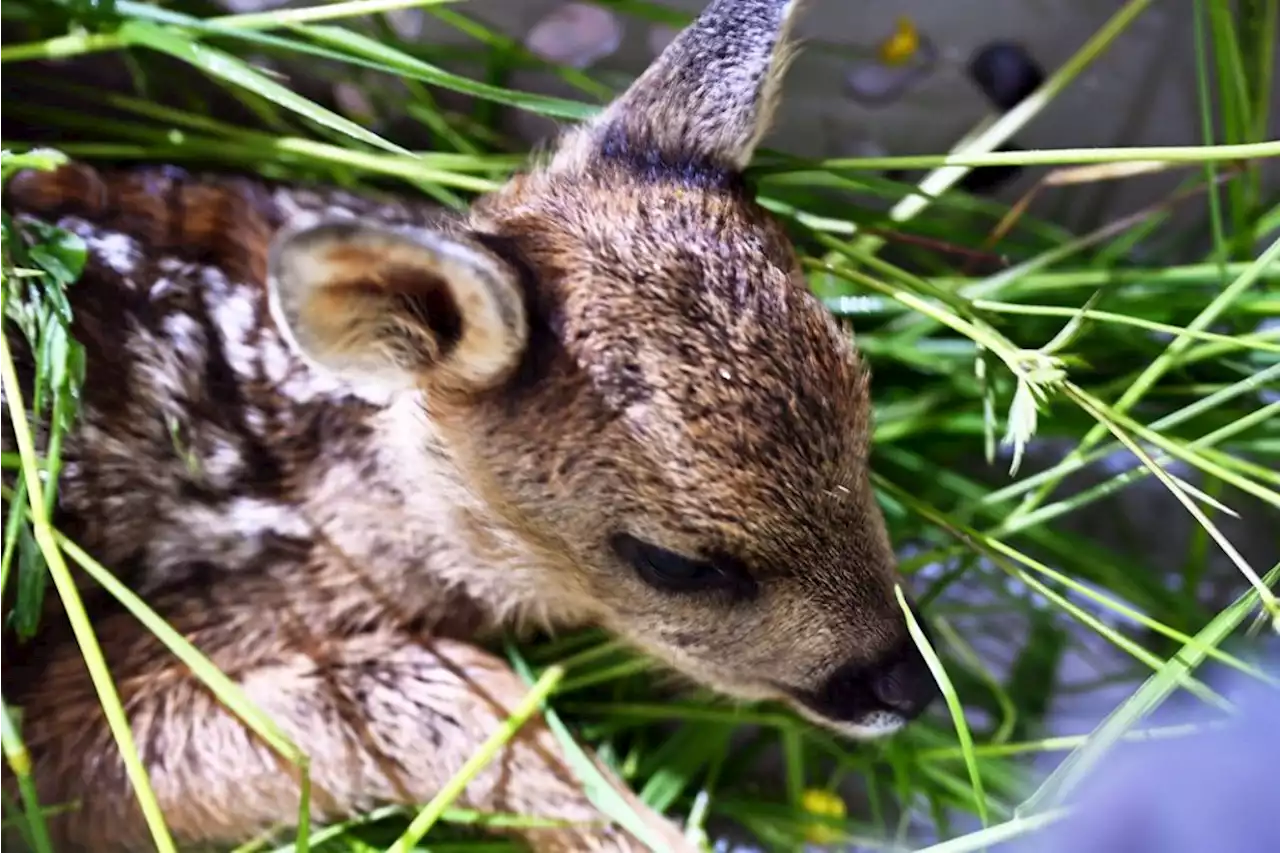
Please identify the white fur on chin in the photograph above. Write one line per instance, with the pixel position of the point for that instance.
(873, 726)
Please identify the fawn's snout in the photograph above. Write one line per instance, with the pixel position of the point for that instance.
(877, 697)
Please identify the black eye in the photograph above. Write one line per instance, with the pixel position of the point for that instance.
(667, 570)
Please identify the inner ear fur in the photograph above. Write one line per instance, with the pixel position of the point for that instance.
(398, 309)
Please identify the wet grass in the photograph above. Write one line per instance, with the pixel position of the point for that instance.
(989, 331)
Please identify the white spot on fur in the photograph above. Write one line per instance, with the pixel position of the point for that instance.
(231, 535)
(299, 382)
(167, 372)
(303, 210)
(252, 516)
(275, 361)
(234, 312)
(118, 251)
(221, 464)
(160, 288)
(308, 384)
(185, 336)
(256, 421)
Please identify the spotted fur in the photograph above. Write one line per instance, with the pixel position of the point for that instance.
(335, 440)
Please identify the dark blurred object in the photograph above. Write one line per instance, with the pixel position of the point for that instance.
(1005, 73)
(1213, 792)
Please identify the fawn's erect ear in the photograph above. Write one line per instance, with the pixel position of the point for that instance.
(709, 96)
(395, 310)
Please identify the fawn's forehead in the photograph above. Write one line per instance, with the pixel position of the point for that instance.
(786, 432)
(682, 304)
(677, 247)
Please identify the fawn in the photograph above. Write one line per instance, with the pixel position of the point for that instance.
(337, 441)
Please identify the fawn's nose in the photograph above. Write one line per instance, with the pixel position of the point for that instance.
(877, 698)
(899, 684)
(903, 685)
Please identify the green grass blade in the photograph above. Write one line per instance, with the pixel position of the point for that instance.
(598, 789)
(81, 627)
(230, 68)
(953, 705)
(19, 761)
(487, 751)
(362, 45)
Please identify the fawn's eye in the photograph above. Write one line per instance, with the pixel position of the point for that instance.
(669, 571)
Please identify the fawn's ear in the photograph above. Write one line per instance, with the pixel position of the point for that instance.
(708, 97)
(395, 310)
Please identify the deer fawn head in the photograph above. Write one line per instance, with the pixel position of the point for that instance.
(620, 354)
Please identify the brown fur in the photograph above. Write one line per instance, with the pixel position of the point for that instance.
(333, 440)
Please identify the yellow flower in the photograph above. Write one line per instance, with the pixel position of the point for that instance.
(902, 45)
(823, 804)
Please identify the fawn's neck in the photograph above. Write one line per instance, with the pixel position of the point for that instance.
(398, 511)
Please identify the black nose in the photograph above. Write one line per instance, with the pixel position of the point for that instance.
(903, 685)
(899, 683)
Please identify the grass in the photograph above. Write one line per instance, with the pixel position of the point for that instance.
(989, 331)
